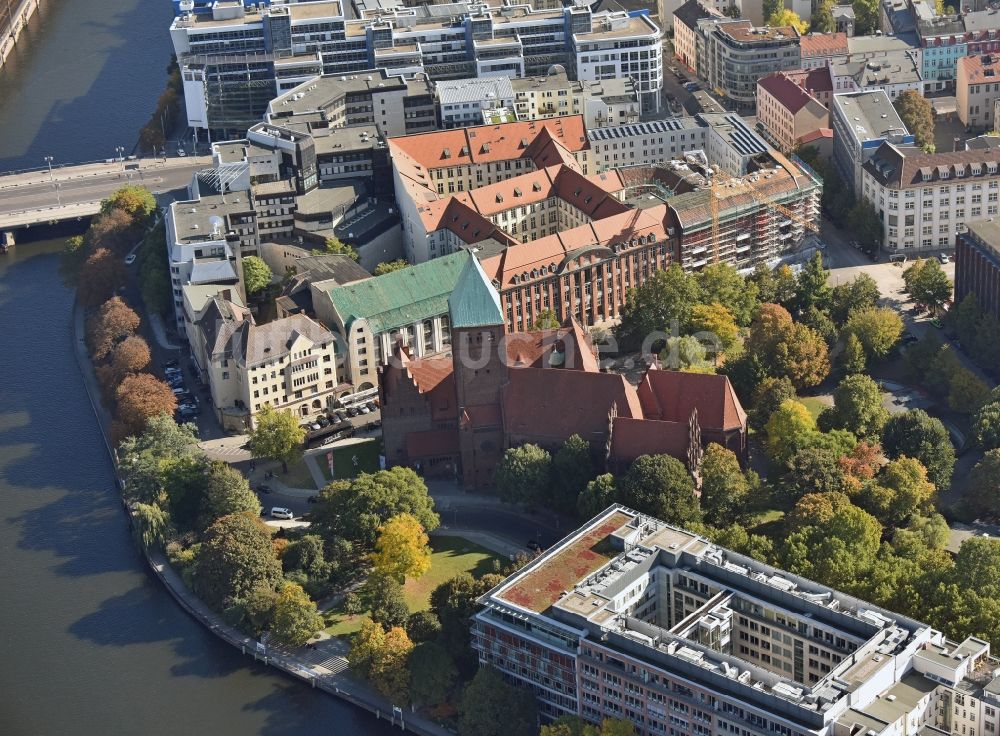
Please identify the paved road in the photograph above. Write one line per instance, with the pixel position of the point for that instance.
(75, 191)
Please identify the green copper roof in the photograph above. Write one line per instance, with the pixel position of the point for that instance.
(401, 297)
(474, 302)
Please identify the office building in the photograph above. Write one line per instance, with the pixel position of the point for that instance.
(925, 199)
(236, 58)
(628, 617)
(977, 265)
(861, 122)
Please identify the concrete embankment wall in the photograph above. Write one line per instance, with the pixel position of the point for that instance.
(14, 17)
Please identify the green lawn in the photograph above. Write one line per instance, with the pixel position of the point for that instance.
(449, 557)
(366, 452)
(814, 404)
(298, 475)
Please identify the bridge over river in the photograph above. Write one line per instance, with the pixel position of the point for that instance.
(73, 192)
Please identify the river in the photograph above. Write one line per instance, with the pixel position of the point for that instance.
(90, 642)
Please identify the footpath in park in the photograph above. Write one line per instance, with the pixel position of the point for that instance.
(321, 665)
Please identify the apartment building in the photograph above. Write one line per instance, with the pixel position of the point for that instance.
(787, 112)
(924, 199)
(894, 72)
(861, 122)
(737, 54)
(816, 81)
(235, 58)
(977, 265)
(686, 33)
(977, 90)
(207, 238)
(628, 617)
(946, 39)
(407, 307)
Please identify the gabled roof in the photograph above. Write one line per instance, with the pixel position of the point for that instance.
(672, 395)
(402, 297)
(474, 302)
(549, 402)
(691, 12)
(632, 438)
(260, 343)
(823, 44)
(786, 93)
(899, 168)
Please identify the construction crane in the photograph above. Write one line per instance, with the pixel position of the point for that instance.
(743, 185)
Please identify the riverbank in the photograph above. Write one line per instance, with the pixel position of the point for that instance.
(322, 667)
(16, 23)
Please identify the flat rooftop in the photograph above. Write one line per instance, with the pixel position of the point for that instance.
(869, 114)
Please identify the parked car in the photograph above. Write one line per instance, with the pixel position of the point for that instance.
(315, 427)
(943, 257)
(364, 409)
(130, 259)
(322, 421)
(340, 415)
(280, 512)
(937, 323)
(181, 152)
(351, 411)
(371, 406)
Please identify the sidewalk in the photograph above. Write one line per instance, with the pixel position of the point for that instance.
(160, 332)
(97, 168)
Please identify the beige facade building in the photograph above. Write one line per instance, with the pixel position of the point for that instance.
(977, 89)
(787, 112)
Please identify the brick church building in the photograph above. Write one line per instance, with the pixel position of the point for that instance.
(454, 415)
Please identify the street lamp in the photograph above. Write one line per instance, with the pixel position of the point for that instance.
(48, 160)
(120, 150)
(59, 193)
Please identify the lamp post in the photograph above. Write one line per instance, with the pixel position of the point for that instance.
(59, 193)
(48, 160)
(120, 150)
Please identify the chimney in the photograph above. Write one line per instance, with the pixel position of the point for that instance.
(227, 295)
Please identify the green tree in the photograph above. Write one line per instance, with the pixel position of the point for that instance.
(977, 565)
(720, 283)
(660, 485)
(135, 201)
(432, 674)
(878, 329)
(257, 275)
(859, 293)
(306, 556)
(235, 557)
(967, 391)
(866, 20)
(822, 20)
(276, 435)
(866, 224)
(597, 496)
(389, 266)
(853, 358)
(354, 510)
(916, 434)
(965, 317)
(402, 549)
(819, 322)
(662, 301)
(380, 657)
(144, 457)
(921, 356)
(423, 626)
(857, 408)
(811, 287)
(295, 619)
(151, 525)
(226, 492)
(572, 470)
(789, 429)
(927, 283)
(337, 248)
(918, 116)
(454, 603)
(523, 474)
(986, 425)
(384, 596)
(770, 394)
(724, 488)
(911, 493)
(546, 320)
(983, 494)
(491, 707)
(811, 470)
(772, 6)
(789, 348)
(685, 354)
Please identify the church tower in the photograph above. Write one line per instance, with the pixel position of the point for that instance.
(477, 330)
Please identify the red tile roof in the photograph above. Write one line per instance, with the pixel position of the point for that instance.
(978, 69)
(823, 44)
(632, 438)
(672, 396)
(553, 403)
(785, 92)
(533, 349)
(816, 135)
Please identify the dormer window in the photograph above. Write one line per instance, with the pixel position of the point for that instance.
(977, 169)
(991, 168)
(446, 153)
(926, 175)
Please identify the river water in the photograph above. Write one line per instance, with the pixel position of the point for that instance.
(90, 643)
